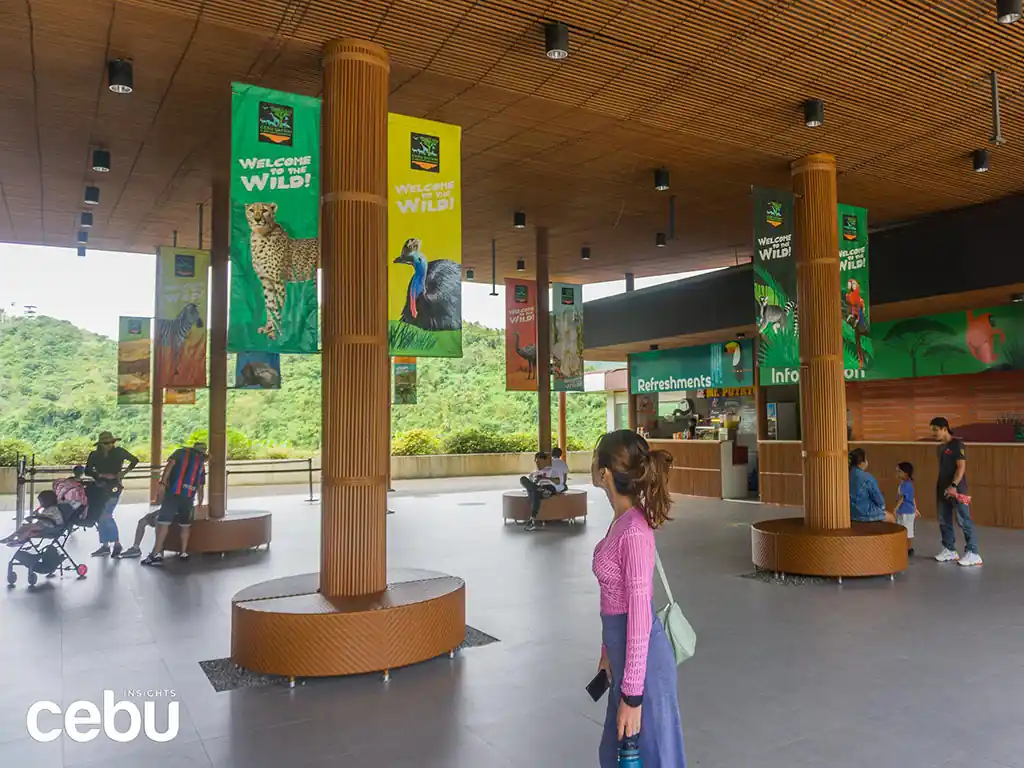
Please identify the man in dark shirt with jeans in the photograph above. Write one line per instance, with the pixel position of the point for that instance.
(952, 491)
(106, 465)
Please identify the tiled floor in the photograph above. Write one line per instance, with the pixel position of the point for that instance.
(926, 671)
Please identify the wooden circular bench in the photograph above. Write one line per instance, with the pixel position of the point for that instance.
(864, 549)
(234, 532)
(570, 505)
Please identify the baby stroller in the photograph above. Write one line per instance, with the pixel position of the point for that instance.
(47, 553)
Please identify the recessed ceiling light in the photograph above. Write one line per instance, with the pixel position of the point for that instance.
(101, 160)
(556, 39)
(980, 160)
(814, 113)
(119, 75)
(1008, 11)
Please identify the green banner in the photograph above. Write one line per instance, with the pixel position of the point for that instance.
(952, 343)
(567, 337)
(858, 348)
(275, 220)
(729, 364)
(775, 298)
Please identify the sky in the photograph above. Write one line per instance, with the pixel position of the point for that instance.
(92, 292)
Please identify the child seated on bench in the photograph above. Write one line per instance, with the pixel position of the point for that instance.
(46, 518)
(549, 479)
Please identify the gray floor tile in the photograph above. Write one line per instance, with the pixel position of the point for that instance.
(921, 672)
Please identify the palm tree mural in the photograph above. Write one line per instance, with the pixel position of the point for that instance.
(915, 335)
(942, 352)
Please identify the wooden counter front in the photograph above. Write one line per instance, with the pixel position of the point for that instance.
(696, 466)
(995, 476)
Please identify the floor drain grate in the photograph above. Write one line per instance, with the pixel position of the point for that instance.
(224, 676)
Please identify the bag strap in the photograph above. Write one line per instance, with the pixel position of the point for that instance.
(664, 580)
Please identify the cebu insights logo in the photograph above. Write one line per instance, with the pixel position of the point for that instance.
(83, 719)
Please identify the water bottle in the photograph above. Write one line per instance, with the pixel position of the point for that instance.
(629, 752)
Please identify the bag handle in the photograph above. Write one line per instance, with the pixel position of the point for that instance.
(661, 573)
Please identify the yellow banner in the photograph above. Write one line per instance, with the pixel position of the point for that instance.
(179, 346)
(424, 238)
(179, 397)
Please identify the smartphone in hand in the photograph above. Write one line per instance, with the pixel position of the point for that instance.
(597, 687)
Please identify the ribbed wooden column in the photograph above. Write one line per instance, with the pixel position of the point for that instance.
(220, 228)
(822, 387)
(543, 343)
(355, 429)
(156, 422)
(563, 426)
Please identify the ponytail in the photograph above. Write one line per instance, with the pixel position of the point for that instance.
(652, 487)
(857, 457)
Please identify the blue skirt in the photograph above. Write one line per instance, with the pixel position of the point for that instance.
(661, 729)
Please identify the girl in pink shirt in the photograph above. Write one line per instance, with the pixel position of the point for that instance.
(635, 654)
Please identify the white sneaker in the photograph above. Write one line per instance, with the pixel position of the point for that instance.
(947, 556)
(970, 558)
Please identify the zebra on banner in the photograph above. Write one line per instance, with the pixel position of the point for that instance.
(174, 333)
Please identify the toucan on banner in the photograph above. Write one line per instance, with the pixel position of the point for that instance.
(424, 256)
(179, 349)
(275, 221)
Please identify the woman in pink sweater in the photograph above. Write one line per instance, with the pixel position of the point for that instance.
(635, 653)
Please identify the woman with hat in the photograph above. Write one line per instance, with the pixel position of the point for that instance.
(106, 465)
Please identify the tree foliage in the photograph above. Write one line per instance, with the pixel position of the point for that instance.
(58, 384)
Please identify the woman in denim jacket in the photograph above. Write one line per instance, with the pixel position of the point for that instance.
(866, 501)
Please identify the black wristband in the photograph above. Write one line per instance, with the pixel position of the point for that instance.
(633, 701)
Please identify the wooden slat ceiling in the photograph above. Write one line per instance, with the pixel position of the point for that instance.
(711, 89)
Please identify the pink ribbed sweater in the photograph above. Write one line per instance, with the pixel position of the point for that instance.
(624, 566)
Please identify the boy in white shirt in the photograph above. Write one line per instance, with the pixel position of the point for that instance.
(549, 479)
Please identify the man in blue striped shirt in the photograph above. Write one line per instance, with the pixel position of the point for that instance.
(182, 486)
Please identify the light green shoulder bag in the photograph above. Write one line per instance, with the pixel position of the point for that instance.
(681, 636)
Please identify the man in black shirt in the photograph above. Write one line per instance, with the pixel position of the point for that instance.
(106, 465)
(952, 496)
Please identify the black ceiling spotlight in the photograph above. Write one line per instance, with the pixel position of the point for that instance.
(520, 265)
(814, 113)
(83, 237)
(81, 251)
(661, 179)
(585, 253)
(92, 196)
(1017, 298)
(654, 347)
(470, 273)
(556, 40)
(741, 335)
(519, 220)
(1008, 11)
(660, 240)
(101, 161)
(119, 75)
(86, 220)
(980, 160)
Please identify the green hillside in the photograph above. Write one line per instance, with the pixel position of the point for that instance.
(57, 383)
